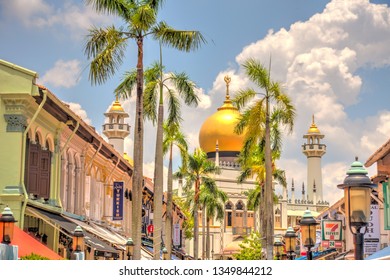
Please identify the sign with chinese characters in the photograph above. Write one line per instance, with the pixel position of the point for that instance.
(373, 233)
(118, 201)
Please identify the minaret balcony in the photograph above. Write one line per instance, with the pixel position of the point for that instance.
(314, 147)
(116, 126)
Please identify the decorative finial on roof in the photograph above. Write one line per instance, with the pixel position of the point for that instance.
(227, 81)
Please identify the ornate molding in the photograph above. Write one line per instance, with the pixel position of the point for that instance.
(15, 123)
(16, 104)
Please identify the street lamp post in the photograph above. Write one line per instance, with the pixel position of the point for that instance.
(165, 253)
(357, 198)
(7, 224)
(277, 245)
(308, 230)
(129, 248)
(290, 239)
(78, 243)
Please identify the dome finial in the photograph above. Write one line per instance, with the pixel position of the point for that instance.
(313, 122)
(227, 81)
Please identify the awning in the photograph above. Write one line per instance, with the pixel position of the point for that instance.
(67, 226)
(299, 213)
(28, 245)
(112, 237)
(383, 254)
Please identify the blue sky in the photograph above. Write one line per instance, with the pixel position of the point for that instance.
(333, 58)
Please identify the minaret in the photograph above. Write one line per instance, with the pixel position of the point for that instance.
(116, 129)
(314, 193)
(292, 192)
(303, 191)
(314, 150)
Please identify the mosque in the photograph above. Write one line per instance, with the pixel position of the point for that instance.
(222, 145)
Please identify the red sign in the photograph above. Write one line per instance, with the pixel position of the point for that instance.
(150, 228)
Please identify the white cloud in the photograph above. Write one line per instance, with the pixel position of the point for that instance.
(77, 17)
(76, 107)
(64, 74)
(318, 61)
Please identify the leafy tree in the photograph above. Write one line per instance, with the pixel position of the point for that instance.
(258, 128)
(173, 136)
(251, 248)
(177, 86)
(106, 47)
(188, 224)
(213, 201)
(199, 170)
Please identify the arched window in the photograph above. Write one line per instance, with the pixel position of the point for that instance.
(228, 214)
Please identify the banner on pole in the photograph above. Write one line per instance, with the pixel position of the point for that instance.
(118, 201)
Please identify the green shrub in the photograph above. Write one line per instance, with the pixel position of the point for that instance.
(34, 257)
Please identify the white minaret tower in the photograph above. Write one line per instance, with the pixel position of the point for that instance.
(314, 150)
(116, 129)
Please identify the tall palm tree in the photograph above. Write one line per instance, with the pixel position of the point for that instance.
(259, 127)
(173, 136)
(253, 165)
(213, 201)
(177, 86)
(107, 46)
(199, 170)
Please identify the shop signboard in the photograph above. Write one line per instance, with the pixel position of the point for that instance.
(118, 201)
(372, 235)
(176, 234)
(331, 230)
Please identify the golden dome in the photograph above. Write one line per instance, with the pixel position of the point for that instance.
(219, 128)
(128, 159)
(116, 107)
(313, 128)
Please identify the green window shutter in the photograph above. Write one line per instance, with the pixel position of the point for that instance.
(386, 196)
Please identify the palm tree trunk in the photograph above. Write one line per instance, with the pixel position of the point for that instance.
(158, 186)
(269, 222)
(203, 232)
(208, 239)
(138, 157)
(196, 221)
(169, 212)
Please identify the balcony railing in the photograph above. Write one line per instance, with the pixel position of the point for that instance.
(116, 126)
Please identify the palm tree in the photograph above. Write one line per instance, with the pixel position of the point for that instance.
(259, 128)
(107, 46)
(172, 136)
(253, 165)
(198, 171)
(213, 201)
(155, 83)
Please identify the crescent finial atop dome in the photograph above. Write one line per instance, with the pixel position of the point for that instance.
(227, 81)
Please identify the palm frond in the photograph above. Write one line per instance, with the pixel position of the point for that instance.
(127, 84)
(143, 19)
(186, 88)
(179, 39)
(174, 111)
(115, 7)
(106, 48)
(151, 101)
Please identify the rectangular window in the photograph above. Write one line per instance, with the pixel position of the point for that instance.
(38, 165)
